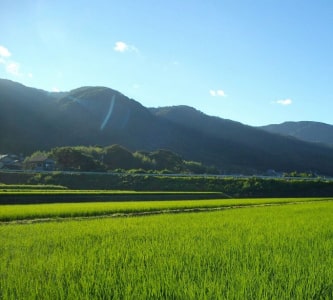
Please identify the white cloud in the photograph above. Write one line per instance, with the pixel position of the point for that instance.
(13, 68)
(212, 93)
(284, 102)
(55, 89)
(217, 93)
(123, 47)
(120, 47)
(4, 52)
(221, 93)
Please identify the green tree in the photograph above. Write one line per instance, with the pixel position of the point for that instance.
(118, 157)
(166, 159)
(69, 158)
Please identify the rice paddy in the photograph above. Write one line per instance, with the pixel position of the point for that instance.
(257, 252)
(119, 208)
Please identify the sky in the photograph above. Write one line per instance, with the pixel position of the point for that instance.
(257, 62)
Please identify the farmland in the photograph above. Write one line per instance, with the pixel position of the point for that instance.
(261, 251)
(59, 211)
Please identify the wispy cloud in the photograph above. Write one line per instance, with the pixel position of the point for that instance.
(217, 93)
(12, 67)
(284, 102)
(4, 52)
(123, 47)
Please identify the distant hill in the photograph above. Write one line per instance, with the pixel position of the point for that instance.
(32, 119)
(305, 130)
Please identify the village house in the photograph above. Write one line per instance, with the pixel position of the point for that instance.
(11, 161)
(40, 163)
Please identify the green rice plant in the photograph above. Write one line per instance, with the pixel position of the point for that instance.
(91, 209)
(31, 189)
(25, 187)
(272, 252)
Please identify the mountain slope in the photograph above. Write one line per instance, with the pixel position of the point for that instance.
(307, 131)
(33, 120)
(27, 117)
(250, 144)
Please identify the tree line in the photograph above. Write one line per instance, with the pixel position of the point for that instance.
(117, 158)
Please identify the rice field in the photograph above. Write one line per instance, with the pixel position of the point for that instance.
(263, 252)
(58, 211)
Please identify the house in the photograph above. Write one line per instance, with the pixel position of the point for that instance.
(10, 161)
(40, 163)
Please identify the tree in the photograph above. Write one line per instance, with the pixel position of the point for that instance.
(166, 159)
(118, 157)
(68, 158)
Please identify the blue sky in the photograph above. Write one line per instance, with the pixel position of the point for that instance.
(257, 62)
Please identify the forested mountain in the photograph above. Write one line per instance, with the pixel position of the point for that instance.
(29, 118)
(246, 142)
(32, 120)
(307, 131)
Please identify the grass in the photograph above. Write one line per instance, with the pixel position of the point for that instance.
(274, 252)
(70, 210)
(36, 187)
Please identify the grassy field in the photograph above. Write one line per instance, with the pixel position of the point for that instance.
(268, 252)
(74, 210)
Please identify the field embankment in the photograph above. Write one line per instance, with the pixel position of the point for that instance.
(233, 187)
(77, 196)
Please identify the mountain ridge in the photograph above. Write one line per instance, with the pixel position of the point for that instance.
(310, 131)
(103, 116)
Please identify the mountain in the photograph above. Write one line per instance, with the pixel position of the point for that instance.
(32, 119)
(28, 117)
(250, 145)
(307, 131)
